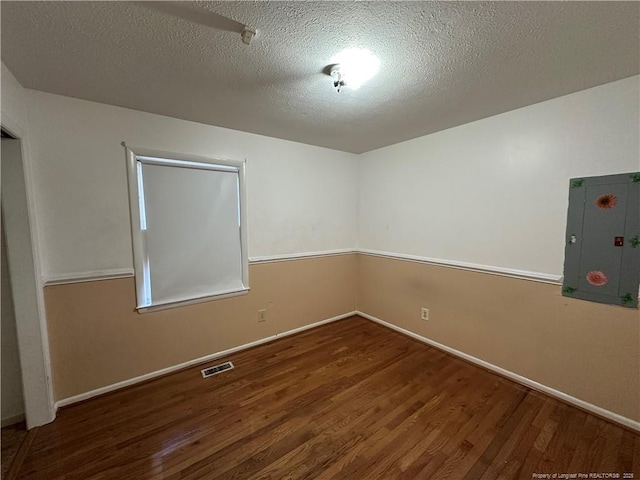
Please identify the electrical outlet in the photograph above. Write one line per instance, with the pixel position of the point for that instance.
(262, 315)
(425, 314)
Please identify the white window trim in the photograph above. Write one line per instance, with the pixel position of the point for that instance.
(134, 155)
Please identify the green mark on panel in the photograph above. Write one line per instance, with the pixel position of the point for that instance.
(626, 298)
(634, 241)
(569, 290)
(577, 183)
(635, 177)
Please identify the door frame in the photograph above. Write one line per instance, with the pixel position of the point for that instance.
(33, 340)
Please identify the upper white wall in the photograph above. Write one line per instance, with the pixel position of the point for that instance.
(301, 198)
(495, 192)
(492, 192)
(14, 100)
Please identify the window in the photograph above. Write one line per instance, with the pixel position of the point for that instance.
(188, 227)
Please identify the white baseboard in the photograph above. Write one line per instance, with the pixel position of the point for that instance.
(614, 417)
(207, 358)
(12, 420)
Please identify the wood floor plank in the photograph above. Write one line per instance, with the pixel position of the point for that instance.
(25, 442)
(347, 400)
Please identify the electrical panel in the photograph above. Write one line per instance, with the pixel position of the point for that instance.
(602, 249)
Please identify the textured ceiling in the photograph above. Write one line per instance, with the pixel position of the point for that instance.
(443, 63)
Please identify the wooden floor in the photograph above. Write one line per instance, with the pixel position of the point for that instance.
(12, 438)
(348, 400)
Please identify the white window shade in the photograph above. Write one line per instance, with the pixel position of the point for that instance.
(189, 238)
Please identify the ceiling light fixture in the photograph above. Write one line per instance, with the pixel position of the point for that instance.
(336, 74)
(353, 67)
(247, 34)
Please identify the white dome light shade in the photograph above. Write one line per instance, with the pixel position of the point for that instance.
(357, 65)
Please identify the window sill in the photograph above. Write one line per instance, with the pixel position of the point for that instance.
(192, 301)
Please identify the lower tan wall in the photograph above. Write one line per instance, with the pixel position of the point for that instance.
(97, 338)
(587, 350)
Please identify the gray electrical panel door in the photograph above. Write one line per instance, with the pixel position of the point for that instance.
(602, 252)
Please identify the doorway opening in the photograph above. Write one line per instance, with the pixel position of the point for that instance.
(26, 380)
